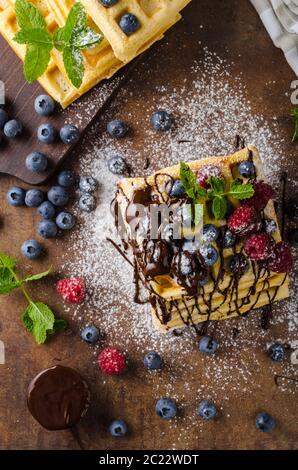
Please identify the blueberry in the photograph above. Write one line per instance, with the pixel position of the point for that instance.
(191, 245)
(66, 178)
(90, 334)
(161, 121)
(228, 238)
(46, 133)
(292, 237)
(34, 197)
(265, 422)
(118, 428)
(238, 265)
(31, 249)
(12, 129)
(210, 233)
(246, 169)
(207, 410)
(117, 128)
(175, 188)
(209, 255)
(152, 361)
(47, 229)
(69, 134)
(44, 105)
(208, 345)
(117, 165)
(46, 210)
(87, 203)
(276, 352)
(36, 162)
(58, 196)
(3, 118)
(129, 23)
(88, 184)
(292, 208)
(16, 196)
(166, 408)
(270, 226)
(65, 221)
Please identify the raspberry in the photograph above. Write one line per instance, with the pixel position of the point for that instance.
(72, 290)
(263, 193)
(244, 221)
(258, 247)
(205, 172)
(281, 260)
(111, 361)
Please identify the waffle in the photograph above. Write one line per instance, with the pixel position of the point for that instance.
(221, 297)
(101, 62)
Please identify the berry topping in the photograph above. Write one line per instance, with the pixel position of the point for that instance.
(175, 188)
(276, 352)
(166, 408)
(208, 345)
(210, 233)
(111, 361)
(72, 290)
(129, 23)
(117, 128)
(258, 247)
(238, 265)
(205, 172)
(265, 422)
(281, 260)
(228, 238)
(207, 410)
(118, 428)
(246, 169)
(191, 245)
(161, 121)
(263, 194)
(209, 255)
(244, 221)
(292, 237)
(108, 3)
(90, 334)
(152, 361)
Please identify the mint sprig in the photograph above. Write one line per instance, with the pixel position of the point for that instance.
(217, 192)
(38, 318)
(70, 40)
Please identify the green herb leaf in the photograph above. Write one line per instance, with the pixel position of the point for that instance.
(294, 113)
(28, 16)
(74, 66)
(59, 325)
(7, 288)
(7, 261)
(219, 207)
(36, 277)
(86, 39)
(42, 319)
(37, 36)
(241, 191)
(36, 62)
(58, 39)
(188, 178)
(217, 185)
(76, 22)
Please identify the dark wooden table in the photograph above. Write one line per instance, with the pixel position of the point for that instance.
(233, 30)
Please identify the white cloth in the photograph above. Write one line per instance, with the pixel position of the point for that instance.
(280, 18)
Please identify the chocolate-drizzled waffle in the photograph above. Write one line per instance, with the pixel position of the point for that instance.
(214, 292)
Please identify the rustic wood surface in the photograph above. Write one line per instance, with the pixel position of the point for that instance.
(234, 31)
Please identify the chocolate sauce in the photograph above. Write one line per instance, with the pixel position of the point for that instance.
(58, 397)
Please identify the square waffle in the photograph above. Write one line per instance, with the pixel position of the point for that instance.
(101, 62)
(222, 296)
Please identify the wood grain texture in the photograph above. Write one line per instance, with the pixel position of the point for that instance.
(234, 31)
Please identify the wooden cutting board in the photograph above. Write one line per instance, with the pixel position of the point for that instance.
(20, 96)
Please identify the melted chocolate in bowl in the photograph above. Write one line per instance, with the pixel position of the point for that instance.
(58, 397)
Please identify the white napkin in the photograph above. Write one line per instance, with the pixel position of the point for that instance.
(280, 18)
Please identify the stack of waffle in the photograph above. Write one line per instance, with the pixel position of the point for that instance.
(224, 295)
(101, 62)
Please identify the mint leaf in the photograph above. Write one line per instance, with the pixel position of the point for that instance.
(36, 62)
(241, 191)
(59, 325)
(37, 36)
(58, 39)
(188, 178)
(76, 21)
(74, 66)
(36, 277)
(28, 16)
(217, 185)
(42, 319)
(219, 207)
(7, 261)
(8, 287)
(86, 39)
